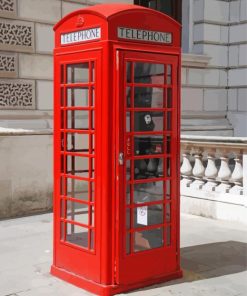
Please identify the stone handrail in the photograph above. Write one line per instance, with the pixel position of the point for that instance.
(214, 164)
(24, 132)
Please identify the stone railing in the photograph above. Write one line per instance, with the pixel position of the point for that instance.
(214, 164)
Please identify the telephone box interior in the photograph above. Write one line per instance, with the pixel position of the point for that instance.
(116, 148)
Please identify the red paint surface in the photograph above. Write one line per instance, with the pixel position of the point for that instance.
(107, 269)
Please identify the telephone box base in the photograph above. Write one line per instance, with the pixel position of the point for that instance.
(108, 290)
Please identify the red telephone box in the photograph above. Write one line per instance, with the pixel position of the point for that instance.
(116, 148)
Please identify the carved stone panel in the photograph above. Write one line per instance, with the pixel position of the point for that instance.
(8, 8)
(16, 35)
(8, 65)
(17, 94)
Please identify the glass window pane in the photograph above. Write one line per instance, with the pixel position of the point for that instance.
(77, 119)
(128, 170)
(166, 7)
(128, 121)
(148, 192)
(78, 189)
(77, 165)
(128, 188)
(92, 144)
(148, 97)
(78, 143)
(168, 144)
(152, 4)
(168, 212)
(92, 189)
(128, 71)
(128, 211)
(168, 189)
(148, 168)
(148, 121)
(92, 96)
(77, 212)
(169, 74)
(169, 121)
(77, 97)
(77, 73)
(62, 208)
(168, 235)
(92, 240)
(168, 167)
(62, 120)
(146, 145)
(62, 186)
(93, 72)
(62, 167)
(92, 120)
(92, 167)
(149, 73)
(148, 239)
(169, 98)
(77, 235)
(148, 215)
(92, 216)
(62, 101)
(128, 97)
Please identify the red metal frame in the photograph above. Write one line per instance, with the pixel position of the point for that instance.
(138, 266)
(106, 269)
(69, 255)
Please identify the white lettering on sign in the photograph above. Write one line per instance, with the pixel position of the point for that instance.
(142, 215)
(144, 35)
(81, 36)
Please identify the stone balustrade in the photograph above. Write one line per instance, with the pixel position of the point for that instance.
(213, 164)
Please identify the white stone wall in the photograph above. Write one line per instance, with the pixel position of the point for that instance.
(26, 65)
(26, 101)
(204, 83)
(25, 173)
(216, 28)
(213, 78)
(219, 32)
(237, 77)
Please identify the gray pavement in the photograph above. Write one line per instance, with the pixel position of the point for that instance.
(214, 260)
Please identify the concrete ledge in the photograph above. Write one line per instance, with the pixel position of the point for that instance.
(214, 205)
(23, 132)
(195, 60)
(216, 141)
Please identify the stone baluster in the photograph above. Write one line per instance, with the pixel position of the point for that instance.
(186, 169)
(211, 171)
(198, 171)
(237, 176)
(224, 174)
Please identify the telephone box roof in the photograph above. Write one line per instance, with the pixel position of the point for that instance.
(108, 10)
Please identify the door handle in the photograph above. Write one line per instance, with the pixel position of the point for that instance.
(121, 158)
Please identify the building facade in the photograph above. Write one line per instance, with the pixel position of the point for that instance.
(214, 85)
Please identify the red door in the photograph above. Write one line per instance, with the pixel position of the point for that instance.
(147, 153)
(77, 215)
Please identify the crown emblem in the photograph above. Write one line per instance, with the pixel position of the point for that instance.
(80, 21)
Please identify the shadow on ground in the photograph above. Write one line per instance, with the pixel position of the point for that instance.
(209, 261)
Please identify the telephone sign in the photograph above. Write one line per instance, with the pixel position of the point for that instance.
(116, 148)
(80, 36)
(144, 35)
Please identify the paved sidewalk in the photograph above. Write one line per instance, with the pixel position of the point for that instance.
(214, 259)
